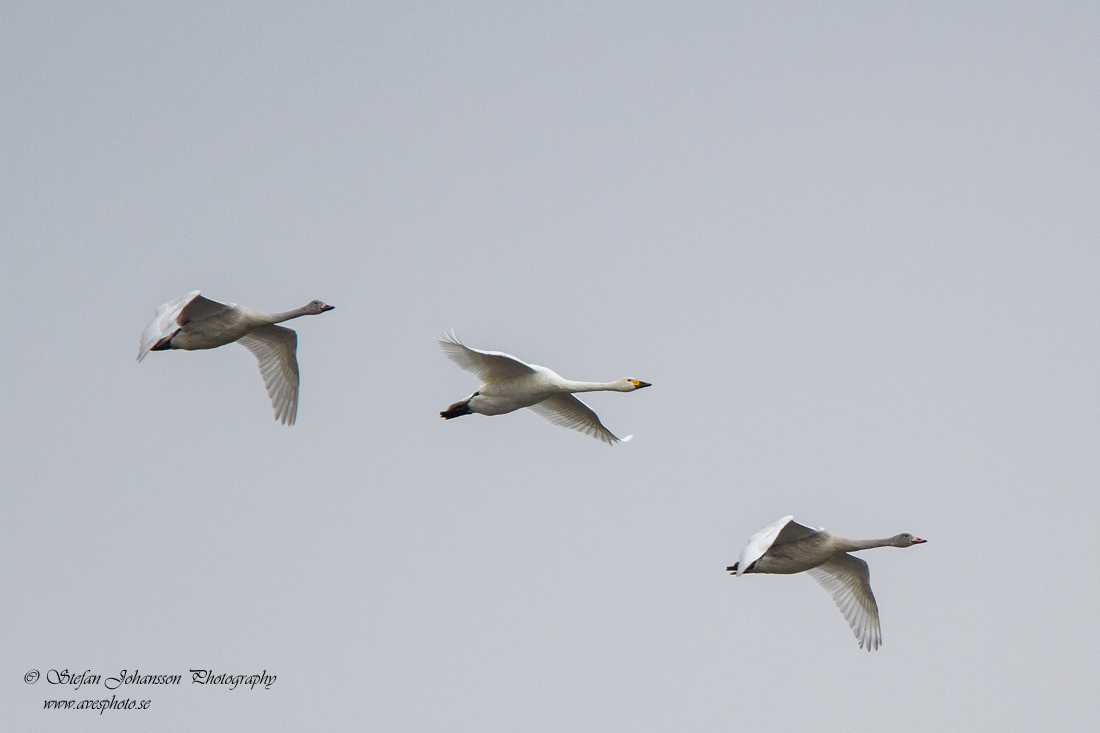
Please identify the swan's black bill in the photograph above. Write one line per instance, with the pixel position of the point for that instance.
(327, 308)
(642, 384)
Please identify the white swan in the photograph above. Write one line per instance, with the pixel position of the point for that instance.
(194, 322)
(509, 384)
(787, 547)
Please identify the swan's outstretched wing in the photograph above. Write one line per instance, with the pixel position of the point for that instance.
(567, 411)
(274, 347)
(489, 366)
(170, 317)
(848, 581)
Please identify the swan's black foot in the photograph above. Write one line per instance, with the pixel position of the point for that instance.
(458, 409)
(164, 344)
(732, 568)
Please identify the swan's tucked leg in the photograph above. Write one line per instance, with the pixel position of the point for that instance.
(164, 344)
(459, 409)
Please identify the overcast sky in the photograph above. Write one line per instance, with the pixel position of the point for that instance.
(854, 248)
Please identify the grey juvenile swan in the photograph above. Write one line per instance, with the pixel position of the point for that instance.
(509, 384)
(194, 322)
(787, 547)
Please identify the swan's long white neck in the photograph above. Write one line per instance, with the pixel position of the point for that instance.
(286, 316)
(853, 545)
(593, 386)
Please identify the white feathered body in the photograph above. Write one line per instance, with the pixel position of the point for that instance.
(224, 328)
(513, 393)
(798, 556)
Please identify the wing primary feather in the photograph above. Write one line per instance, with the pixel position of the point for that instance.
(568, 411)
(274, 348)
(847, 579)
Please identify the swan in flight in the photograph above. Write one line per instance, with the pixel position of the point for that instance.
(194, 322)
(787, 547)
(509, 384)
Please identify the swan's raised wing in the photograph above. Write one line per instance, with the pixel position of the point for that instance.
(489, 366)
(794, 531)
(199, 307)
(274, 348)
(567, 411)
(848, 581)
(165, 323)
(760, 542)
(170, 317)
(776, 533)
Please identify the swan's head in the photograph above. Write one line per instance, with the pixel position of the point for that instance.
(318, 306)
(906, 540)
(626, 384)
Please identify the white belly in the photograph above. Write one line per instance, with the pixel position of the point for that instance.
(210, 333)
(508, 395)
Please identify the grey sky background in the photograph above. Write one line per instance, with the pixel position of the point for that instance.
(853, 248)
